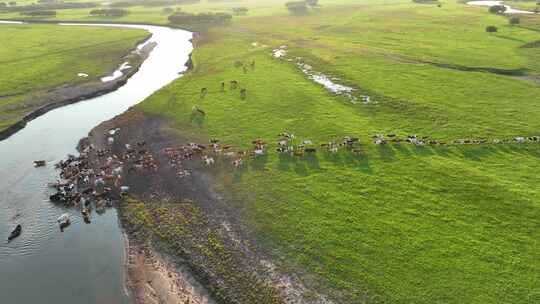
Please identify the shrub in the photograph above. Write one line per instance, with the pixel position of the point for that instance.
(240, 10)
(514, 20)
(491, 29)
(168, 10)
(497, 9)
(2, 4)
(297, 7)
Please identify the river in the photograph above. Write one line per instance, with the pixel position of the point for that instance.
(509, 9)
(85, 263)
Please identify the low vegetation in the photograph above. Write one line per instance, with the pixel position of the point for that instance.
(199, 21)
(395, 223)
(42, 57)
(110, 12)
(392, 223)
(39, 13)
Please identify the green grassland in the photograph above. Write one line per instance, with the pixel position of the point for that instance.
(41, 57)
(397, 223)
(523, 4)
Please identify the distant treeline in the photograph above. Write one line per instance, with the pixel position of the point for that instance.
(301, 7)
(203, 19)
(39, 13)
(47, 6)
(426, 1)
(152, 3)
(109, 12)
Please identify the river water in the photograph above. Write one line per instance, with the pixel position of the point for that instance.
(509, 10)
(85, 263)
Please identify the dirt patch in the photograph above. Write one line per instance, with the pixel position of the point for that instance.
(189, 219)
(153, 278)
(69, 93)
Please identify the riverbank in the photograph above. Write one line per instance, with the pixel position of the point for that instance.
(153, 278)
(190, 220)
(69, 93)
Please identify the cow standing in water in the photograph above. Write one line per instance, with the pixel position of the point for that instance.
(243, 94)
(253, 65)
(222, 86)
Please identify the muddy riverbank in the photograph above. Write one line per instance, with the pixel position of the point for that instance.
(84, 263)
(72, 93)
(188, 218)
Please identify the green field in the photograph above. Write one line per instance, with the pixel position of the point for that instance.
(42, 57)
(397, 223)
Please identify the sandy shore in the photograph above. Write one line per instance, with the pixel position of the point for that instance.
(152, 278)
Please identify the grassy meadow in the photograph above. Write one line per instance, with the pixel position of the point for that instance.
(42, 57)
(397, 223)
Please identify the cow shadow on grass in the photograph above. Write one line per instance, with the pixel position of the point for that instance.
(259, 162)
(302, 166)
(349, 159)
(386, 153)
(198, 119)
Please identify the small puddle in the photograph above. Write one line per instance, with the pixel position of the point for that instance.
(509, 9)
(327, 82)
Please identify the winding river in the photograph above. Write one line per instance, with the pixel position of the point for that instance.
(85, 263)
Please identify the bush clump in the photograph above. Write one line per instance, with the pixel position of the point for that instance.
(240, 11)
(491, 29)
(497, 9)
(297, 7)
(39, 13)
(203, 19)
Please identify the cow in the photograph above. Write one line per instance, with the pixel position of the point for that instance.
(204, 91)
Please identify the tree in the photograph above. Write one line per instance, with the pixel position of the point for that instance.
(497, 9)
(514, 20)
(312, 3)
(240, 10)
(491, 29)
(297, 7)
(3, 4)
(13, 3)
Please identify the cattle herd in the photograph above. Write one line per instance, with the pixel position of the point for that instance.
(96, 176)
